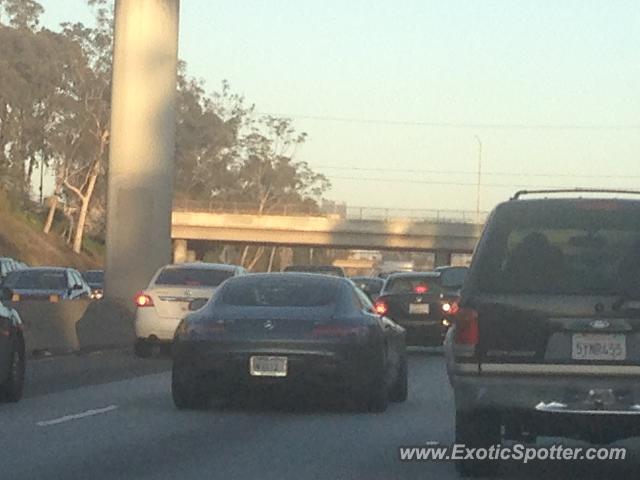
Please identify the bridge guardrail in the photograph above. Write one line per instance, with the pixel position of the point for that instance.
(341, 211)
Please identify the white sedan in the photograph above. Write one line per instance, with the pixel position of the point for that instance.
(166, 300)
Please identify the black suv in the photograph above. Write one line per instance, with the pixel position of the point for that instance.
(546, 341)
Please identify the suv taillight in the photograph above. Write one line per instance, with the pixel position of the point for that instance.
(466, 327)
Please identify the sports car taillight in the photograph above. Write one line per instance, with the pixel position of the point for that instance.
(466, 327)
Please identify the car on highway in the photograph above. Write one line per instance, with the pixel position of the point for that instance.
(95, 280)
(452, 279)
(546, 341)
(321, 269)
(46, 283)
(12, 355)
(415, 301)
(297, 332)
(372, 286)
(161, 306)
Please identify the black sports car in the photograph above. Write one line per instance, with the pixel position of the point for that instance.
(289, 331)
(12, 355)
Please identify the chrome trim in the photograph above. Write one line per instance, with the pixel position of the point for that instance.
(558, 369)
(559, 407)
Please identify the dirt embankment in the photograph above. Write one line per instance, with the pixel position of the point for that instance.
(24, 241)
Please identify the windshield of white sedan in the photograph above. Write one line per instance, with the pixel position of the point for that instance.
(270, 293)
(193, 277)
(36, 280)
(575, 251)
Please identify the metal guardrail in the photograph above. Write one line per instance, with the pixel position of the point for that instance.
(340, 211)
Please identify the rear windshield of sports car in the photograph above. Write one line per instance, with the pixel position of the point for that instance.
(580, 248)
(193, 277)
(270, 292)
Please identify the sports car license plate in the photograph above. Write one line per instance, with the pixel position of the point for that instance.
(260, 366)
(419, 308)
(590, 346)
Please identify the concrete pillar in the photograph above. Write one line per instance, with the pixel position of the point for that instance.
(180, 252)
(191, 256)
(442, 258)
(140, 182)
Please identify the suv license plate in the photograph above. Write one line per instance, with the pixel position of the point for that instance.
(419, 308)
(268, 366)
(590, 346)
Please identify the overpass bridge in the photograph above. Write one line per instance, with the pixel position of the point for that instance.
(440, 232)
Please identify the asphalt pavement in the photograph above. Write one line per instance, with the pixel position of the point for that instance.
(111, 417)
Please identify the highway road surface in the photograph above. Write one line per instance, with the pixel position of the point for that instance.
(110, 416)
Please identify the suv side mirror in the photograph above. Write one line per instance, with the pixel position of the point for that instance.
(197, 304)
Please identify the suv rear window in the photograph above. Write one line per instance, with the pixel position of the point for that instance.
(194, 277)
(577, 248)
(270, 292)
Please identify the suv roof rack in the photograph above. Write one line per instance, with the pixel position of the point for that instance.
(520, 193)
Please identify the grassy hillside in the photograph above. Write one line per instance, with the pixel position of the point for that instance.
(21, 238)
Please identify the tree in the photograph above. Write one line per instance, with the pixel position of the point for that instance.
(31, 73)
(22, 13)
(83, 135)
(206, 134)
(268, 175)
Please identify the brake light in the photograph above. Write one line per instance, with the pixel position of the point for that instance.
(450, 308)
(466, 323)
(336, 330)
(381, 307)
(420, 289)
(143, 300)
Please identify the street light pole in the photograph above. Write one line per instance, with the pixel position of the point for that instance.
(479, 177)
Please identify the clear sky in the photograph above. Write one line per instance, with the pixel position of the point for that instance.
(418, 80)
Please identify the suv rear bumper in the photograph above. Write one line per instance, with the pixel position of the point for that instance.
(548, 393)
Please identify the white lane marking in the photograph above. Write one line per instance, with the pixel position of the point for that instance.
(76, 416)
